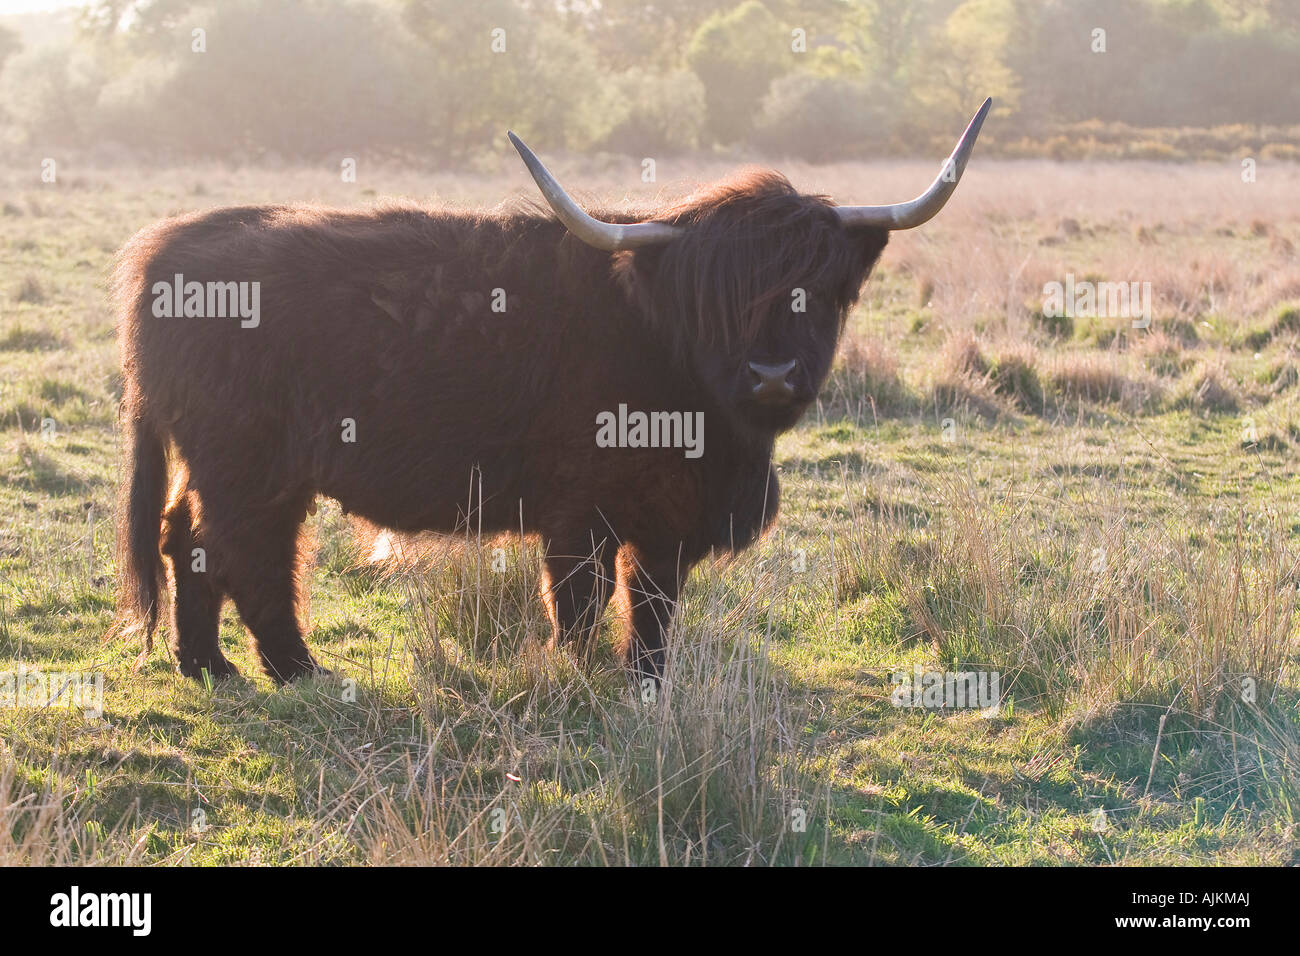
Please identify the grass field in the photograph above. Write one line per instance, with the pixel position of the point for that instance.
(1105, 515)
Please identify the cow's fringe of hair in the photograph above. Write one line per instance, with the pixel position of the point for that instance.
(751, 240)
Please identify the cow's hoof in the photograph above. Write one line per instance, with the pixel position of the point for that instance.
(285, 672)
(216, 668)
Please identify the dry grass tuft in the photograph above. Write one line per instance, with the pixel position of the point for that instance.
(582, 765)
(962, 355)
(30, 290)
(866, 382)
(1211, 388)
(1287, 321)
(1092, 615)
(925, 292)
(969, 376)
(1163, 354)
(1099, 377)
(961, 381)
(1281, 377)
(1013, 373)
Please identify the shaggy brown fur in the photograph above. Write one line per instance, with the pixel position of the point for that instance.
(385, 317)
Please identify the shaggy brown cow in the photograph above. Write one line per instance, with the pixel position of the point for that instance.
(431, 367)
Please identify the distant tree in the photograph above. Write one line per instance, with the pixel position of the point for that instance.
(894, 29)
(737, 55)
(655, 112)
(497, 64)
(143, 26)
(294, 78)
(442, 79)
(1190, 86)
(1284, 14)
(1070, 73)
(9, 45)
(50, 91)
(652, 36)
(968, 58)
(824, 117)
(1165, 64)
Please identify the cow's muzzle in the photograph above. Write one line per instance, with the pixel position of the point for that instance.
(771, 383)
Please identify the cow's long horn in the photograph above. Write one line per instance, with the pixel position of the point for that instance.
(907, 215)
(611, 236)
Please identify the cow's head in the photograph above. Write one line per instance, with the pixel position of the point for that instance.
(750, 281)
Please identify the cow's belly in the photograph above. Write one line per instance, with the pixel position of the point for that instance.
(446, 493)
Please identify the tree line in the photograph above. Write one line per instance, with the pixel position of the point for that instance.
(439, 80)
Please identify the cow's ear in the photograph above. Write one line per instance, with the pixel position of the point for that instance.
(867, 246)
(634, 272)
(870, 243)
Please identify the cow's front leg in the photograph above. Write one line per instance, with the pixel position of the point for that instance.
(647, 594)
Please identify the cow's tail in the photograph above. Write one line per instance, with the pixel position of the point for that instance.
(139, 528)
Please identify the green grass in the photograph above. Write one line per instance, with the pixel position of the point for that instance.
(1124, 565)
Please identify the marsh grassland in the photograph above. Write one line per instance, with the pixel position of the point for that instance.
(1105, 515)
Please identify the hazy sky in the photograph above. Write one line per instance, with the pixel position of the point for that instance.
(30, 6)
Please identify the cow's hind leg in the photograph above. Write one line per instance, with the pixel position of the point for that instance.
(647, 598)
(260, 566)
(197, 600)
(577, 584)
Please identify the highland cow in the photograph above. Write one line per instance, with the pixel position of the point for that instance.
(427, 368)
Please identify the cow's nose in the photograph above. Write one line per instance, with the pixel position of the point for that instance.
(770, 382)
